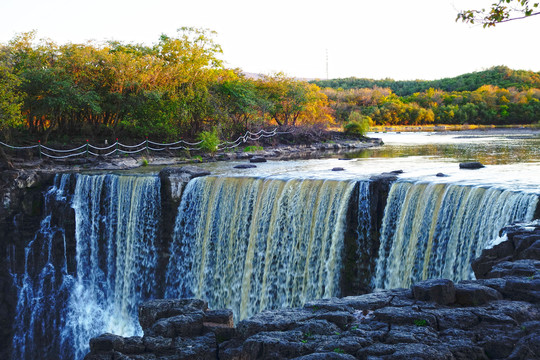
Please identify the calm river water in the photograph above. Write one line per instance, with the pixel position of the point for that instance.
(512, 159)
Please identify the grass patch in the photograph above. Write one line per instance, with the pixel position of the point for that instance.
(253, 148)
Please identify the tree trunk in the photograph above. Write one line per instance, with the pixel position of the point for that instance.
(5, 164)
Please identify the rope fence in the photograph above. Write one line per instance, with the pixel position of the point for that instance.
(147, 145)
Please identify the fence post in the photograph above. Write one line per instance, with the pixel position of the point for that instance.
(86, 147)
(39, 147)
(116, 151)
(147, 154)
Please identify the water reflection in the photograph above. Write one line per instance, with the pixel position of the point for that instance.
(490, 150)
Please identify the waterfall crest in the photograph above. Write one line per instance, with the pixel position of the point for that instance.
(435, 230)
(250, 244)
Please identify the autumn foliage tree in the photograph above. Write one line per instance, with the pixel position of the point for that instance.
(177, 87)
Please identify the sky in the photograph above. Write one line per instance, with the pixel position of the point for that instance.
(402, 40)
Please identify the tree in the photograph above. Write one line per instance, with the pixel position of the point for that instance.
(10, 104)
(503, 11)
(358, 124)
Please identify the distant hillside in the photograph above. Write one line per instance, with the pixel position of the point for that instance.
(500, 76)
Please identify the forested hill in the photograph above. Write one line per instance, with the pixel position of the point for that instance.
(500, 76)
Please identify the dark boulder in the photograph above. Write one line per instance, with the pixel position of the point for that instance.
(245, 166)
(441, 291)
(185, 173)
(338, 169)
(257, 159)
(471, 165)
(475, 294)
(152, 311)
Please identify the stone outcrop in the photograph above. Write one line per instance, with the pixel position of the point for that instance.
(495, 317)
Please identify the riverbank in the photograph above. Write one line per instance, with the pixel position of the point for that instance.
(333, 146)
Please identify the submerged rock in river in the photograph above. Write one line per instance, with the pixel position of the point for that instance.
(497, 316)
(471, 165)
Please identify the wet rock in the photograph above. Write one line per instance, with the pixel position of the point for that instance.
(153, 310)
(471, 165)
(338, 169)
(190, 324)
(184, 173)
(405, 316)
(441, 291)
(326, 356)
(527, 347)
(515, 268)
(223, 317)
(245, 166)
(279, 345)
(441, 175)
(531, 252)
(106, 342)
(195, 348)
(281, 320)
(257, 159)
(475, 294)
(158, 345)
(523, 289)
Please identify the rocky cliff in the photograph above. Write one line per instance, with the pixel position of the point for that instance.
(496, 316)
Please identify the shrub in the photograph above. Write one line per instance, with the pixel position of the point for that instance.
(210, 140)
(358, 124)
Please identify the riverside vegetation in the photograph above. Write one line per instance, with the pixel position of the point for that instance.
(180, 88)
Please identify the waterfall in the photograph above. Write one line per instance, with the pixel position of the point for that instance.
(116, 227)
(44, 286)
(243, 243)
(435, 230)
(117, 220)
(249, 244)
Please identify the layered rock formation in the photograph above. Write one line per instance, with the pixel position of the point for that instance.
(494, 317)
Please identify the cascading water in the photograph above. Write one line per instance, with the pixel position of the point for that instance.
(44, 286)
(436, 230)
(116, 227)
(242, 243)
(250, 244)
(117, 220)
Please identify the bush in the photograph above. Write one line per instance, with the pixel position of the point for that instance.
(210, 140)
(358, 124)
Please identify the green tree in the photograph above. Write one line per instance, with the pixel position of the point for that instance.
(358, 124)
(10, 103)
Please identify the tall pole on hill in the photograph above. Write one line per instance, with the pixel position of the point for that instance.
(327, 64)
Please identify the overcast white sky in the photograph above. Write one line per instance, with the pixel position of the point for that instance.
(404, 40)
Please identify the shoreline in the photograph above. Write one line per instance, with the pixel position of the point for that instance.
(129, 162)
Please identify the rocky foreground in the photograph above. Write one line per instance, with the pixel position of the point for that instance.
(494, 317)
